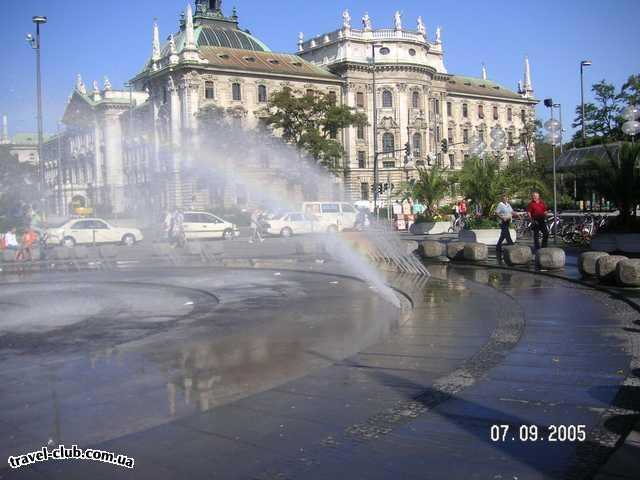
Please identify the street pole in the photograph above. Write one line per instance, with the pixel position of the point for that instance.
(583, 63)
(61, 202)
(555, 197)
(375, 133)
(38, 20)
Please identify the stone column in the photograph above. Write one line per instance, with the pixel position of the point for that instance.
(113, 160)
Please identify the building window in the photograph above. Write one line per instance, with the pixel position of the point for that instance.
(208, 90)
(360, 132)
(437, 106)
(465, 110)
(362, 162)
(510, 138)
(509, 114)
(310, 92)
(364, 191)
(262, 94)
(333, 133)
(417, 144)
(438, 133)
(481, 135)
(332, 98)
(389, 164)
(449, 109)
(495, 113)
(465, 136)
(480, 111)
(523, 116)
(236, 93)
(452, 160)
(415, 99)
(466, 157)
(387, 99)
(388, 143)
(360, 100)
(450, 135)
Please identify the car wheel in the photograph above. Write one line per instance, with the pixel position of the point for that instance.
(332, 229)
(228, 234)
(68, 242)
(286, 232)
(128, 240)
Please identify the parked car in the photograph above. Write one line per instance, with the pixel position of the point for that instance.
(336, 216)
(293, 223)
(203, 225)
(91, 231)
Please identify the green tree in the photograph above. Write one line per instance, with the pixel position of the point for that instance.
(617, 178)
(630, 91)
(430, 188)
(601, 118)
(312, 123)
(482, 181)
(18, 186)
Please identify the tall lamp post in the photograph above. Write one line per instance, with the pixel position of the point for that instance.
(35, 44)
(375, 129)
(554, 135)
(583, 63)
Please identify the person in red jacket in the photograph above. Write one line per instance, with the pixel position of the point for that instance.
(538, 213)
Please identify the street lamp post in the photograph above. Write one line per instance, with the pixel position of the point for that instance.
(583, 63)
(375, 130)
(554, 129)
(35, 44)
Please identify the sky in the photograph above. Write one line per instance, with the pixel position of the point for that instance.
(113, 38)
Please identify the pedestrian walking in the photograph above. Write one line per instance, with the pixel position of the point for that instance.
(538, 212)
(505, 213)
(11, 240)
(29, 237)
(256, 227)
(178, 238)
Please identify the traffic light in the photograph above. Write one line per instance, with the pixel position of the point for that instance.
(407, 149)
(444, 145)
(380, 188)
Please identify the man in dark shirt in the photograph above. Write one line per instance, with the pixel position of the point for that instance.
(538, 213)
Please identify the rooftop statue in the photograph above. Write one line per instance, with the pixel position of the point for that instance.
(397, 20)
(366, 21)
(346, 19)
(421, 28)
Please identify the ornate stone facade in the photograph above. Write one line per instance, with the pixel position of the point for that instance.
(418, 101)
(137, 150)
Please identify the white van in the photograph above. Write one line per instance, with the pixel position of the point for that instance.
(333, 216)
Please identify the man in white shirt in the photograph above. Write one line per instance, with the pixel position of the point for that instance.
(505, 213)
(11, 240)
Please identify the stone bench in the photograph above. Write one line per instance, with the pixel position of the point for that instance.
(587, 263)
(606, 267)
(455, 250)
(432, 249)
(476, 252)
(550, 258)
(628, 272)
(514, 255)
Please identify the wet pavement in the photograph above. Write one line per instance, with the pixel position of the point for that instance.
(264, 374)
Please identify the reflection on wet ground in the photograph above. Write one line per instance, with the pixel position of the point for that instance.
(263, 374)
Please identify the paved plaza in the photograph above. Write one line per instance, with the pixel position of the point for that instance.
(275, 373)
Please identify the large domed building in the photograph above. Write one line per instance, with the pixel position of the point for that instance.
(141, 149)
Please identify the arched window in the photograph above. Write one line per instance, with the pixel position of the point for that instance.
(262, 93)
(415, 99)
(236, 93)
(388, 143)
(417, 144)
(387, 99)
(208, 90)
